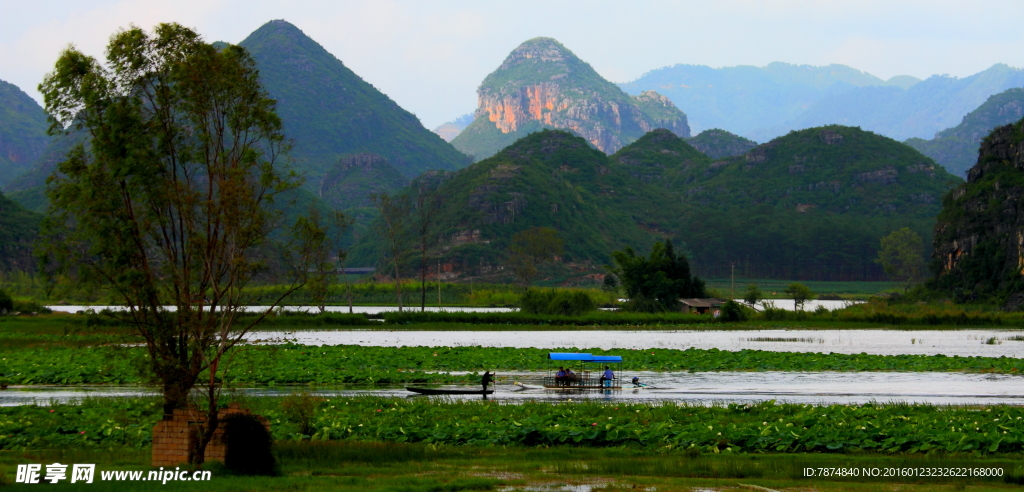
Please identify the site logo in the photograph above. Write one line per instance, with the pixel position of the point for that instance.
(84, 473)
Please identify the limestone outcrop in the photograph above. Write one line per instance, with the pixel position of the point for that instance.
(544, 85)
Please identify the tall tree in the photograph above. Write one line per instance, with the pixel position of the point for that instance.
(658, 282)
(394, 211)
(323, 238)
(170, 202)
(800, 294)
(531, 248)
(902, 257)
(427, 205)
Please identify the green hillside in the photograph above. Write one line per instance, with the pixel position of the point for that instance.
(542, 84)
(547, 179)
(18, 229)
(349, 183)
(329, 111)
(812, 204)
(719, 144)
(661, 159)
(22, 132)
(956, 148)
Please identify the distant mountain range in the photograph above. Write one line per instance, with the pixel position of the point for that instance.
(327, 110)
(761, 103)
(542, 84)
(956, 148)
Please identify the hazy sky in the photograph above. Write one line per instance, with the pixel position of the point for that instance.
(429, 56)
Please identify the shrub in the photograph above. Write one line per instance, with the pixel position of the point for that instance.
(565, 303)
(732, 311)
(30, 307)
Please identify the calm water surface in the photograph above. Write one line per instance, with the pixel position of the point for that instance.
(881, 342)
(778, 303)
(700, 388)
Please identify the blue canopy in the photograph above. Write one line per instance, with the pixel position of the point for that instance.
(613, 359)
(569, 356)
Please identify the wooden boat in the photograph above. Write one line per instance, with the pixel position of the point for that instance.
(442, 391)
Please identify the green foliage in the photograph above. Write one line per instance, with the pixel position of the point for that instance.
(656, 283)
(350, 364)
(19, 228)
(330, 111)
(22, 132)
(350, 182)
(902, 257)
(557, 302)
(984, 266)
(733, 312)
(6, 303)
(800, 294)
(812, 204)
(531, 248)
(548, 179)
(766, 427)
(718, 144)
(752, 295)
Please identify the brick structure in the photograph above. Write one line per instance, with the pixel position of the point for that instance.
(174, 438)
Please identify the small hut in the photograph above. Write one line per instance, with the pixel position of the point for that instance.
(700, 306)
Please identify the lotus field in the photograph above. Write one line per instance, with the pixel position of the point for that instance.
(351, 364)
(763, 427)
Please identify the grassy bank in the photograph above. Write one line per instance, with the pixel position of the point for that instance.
(379, 467)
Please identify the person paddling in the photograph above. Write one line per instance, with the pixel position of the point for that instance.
(486, 380)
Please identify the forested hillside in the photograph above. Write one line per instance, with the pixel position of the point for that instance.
(22, 132)
(956, 148)
(547, 179)
(812, 204)
(18, 229)
(717, 143)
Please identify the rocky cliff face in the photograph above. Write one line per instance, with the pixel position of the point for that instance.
(979, 236)
(544, 85)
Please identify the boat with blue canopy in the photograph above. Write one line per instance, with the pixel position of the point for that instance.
(590, 368)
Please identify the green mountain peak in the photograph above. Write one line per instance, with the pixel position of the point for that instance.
(329, 111)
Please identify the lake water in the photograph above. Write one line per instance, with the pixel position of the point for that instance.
(701, 388)
(881, 342)
(779, 303)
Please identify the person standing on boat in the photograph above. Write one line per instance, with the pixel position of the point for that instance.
(486, 380)
(607, 376)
